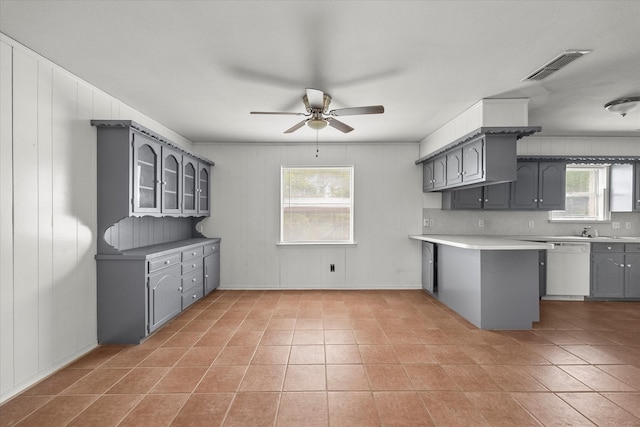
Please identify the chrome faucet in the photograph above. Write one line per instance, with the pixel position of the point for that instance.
(585, 232)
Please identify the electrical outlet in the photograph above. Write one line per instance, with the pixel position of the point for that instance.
(481, 223)
(332, 268)
(627, 225)
(615, 225)
(425, 222)
(532, 224)
(432, 223)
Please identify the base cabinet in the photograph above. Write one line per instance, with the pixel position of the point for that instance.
(165, 295)
(429, 267)
(615, 270)
(142, 289)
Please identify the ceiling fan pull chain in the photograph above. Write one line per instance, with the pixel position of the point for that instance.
(317, 150)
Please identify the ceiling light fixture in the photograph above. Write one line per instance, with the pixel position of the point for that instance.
(623, 106)
(317, 123)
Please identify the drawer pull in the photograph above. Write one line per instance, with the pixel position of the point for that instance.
(193, 265)
(193, 253)
(167, 262)
(194, 296)
(180, 288)
(194, 279)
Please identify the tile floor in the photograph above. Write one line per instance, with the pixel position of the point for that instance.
(318, 358)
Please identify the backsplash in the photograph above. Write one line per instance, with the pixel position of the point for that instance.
(502, 223)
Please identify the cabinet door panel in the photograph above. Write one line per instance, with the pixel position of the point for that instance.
(472, 161)
(632, 280)
(189, 186)
(203, 189)
(428, 265)
(551, 190)
(636, 190)
(607, 275)
(469, 198)
(165, 296)
(440, 172)
(496, 196)
(211, 272)
(454, 167)
(171, 168)
(146, 173)
(427, 176)
(524, 190)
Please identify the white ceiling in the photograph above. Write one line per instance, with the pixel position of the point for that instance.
(200, 67)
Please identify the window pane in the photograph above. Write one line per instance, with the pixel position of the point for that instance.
(317, 204)
(585, 193)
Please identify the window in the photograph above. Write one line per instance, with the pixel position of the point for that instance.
(586, 190)
(316, 205)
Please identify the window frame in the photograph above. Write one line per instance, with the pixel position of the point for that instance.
(604, 189)
(351, 240)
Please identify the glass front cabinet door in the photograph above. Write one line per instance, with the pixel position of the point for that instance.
(171, 170)
(189, 186)
(146, 175)
(203, 189)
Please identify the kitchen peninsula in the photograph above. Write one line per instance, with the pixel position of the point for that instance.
(490, 281)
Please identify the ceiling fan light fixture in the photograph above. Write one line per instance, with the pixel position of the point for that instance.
(317, 123)
(623, 106)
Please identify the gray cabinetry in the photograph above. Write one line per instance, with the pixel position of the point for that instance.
(428, 267)
(539, 186)
(615, 270)
(439, 172)
(146, 175)
(171, 180)
(454, 167)
(165, 295)
(211, 267)
(427, 176)
(141, 289)
(489, 197)
(636, 187)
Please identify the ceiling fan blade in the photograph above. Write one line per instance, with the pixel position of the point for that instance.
(278, 113)
(371, 109)
(315, 98)
(342, 127)
(295, 127)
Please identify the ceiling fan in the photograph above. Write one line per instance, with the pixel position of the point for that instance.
(318, 114)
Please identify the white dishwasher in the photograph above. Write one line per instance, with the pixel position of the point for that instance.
(568, 271)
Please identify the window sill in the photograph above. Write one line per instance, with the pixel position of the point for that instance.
(298, 244)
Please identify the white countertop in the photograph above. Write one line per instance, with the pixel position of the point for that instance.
(602, 239)
(490, 243)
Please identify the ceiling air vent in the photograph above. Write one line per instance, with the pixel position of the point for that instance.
(560, 61)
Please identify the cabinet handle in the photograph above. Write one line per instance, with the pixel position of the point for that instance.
(194, 296)
(479, 200)
(206, 276)
(193, 265)
(167, 262)
(608, 248)
(486, 200)
(193, 253)
(541, 200)
(194, 279)
(629, 265)
(535, 200)
(180, 288)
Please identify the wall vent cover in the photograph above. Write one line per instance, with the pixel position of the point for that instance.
(560, 61)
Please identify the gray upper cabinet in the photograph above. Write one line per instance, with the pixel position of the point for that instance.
(142, 174)
(636, 191)
(427, 176)
(484, 156)
(171, 180)
(539, 186)
(489, 197)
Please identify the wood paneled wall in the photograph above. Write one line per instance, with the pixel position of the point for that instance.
(387, 207)
(48, 213)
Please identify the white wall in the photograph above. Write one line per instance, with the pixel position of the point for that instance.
(48, 213)
(245, 214)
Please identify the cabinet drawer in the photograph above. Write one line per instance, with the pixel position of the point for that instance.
(632, 247)
(191, 296)
(193, 278)
(607, 247)
(191, 265)
(210, 248)
(166, 261)
(191, 253)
